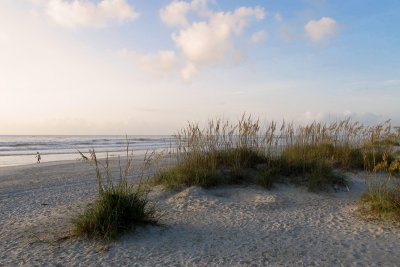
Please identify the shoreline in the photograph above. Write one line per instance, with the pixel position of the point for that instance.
(224, 226)
(23, 160)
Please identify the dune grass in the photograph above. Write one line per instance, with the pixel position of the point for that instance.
(229, 166)
(316, 175)
(343, 157)
(382, 201)
(314, 156)
(245, 152)
(118, 207)
(244, 166)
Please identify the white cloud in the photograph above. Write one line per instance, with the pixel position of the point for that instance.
(209, 41)
(258, 37)
(203, 43)
(80, 13)
(175, 14)
(320, 31)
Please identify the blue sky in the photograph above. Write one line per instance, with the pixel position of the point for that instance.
(148, 67)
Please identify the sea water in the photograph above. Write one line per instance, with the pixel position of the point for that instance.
(21, 150)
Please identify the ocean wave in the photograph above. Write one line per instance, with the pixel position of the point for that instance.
(57, 145)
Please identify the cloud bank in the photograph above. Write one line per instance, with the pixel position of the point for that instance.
(209, 39)
(88, 14)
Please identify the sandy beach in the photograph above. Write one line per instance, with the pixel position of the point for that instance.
(199, 133)
(225, 226)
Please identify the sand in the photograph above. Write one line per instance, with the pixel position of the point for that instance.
(226, 226)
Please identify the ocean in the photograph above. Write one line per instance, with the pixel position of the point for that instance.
(21, 150)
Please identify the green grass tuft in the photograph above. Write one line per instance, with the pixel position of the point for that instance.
(341, 156)
(238, 166)
(383, 201)
(118, 209)
(316, 175)
(212, 168)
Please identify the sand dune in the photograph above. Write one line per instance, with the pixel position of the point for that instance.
(227, 226)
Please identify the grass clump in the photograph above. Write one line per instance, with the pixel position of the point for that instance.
(382, 201)
(119, 207)
(230, 166)
(343, 156)
(229, 153)
(313, 155)
(316, 175)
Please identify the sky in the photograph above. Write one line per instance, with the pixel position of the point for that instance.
(149, 67)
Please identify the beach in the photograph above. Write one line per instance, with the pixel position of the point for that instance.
(242, 225)
(199, 133)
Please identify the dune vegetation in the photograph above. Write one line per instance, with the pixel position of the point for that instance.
(119, 206)
(315, 156)
(383, 199)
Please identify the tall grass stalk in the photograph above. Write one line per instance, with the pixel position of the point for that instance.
(349, 145)
(224, 152)
(119, 206)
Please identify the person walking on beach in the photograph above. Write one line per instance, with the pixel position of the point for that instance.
(38, 157)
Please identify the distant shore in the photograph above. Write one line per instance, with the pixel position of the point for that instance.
(29, 160)
(17, 150)
(225, 226)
